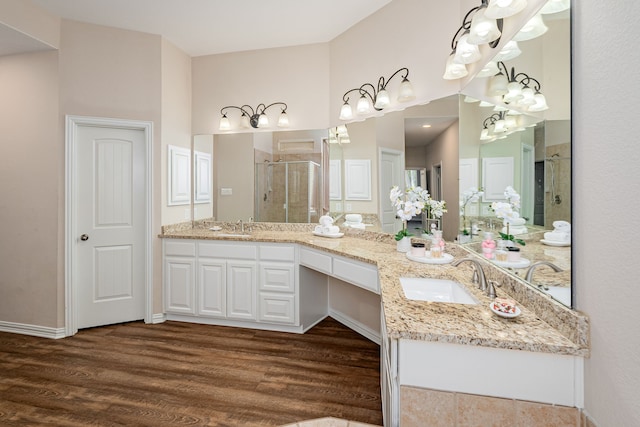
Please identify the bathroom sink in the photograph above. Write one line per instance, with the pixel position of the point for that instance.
(435, 290)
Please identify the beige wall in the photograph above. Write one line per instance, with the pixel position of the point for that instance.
(176, 117)
(237, 175)
(444, 149)
(32, 21)
(297, 76)
(606, 205)
(31, 185)
(106, 72)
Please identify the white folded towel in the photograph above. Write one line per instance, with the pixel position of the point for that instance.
(325, 220)
(515, 221)
(562, 226)
(359, 226)
(353, 218)
(514, 231)
(318, 229)
(331, 229)
(557, 236)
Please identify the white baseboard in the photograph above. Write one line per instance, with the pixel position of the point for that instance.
(356, 326)
(158, 318)
(33, 330)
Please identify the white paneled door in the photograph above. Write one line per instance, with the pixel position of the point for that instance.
(111, 221)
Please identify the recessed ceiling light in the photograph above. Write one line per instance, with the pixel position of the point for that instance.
(426, 126)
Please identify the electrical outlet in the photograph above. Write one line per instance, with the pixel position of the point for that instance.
(339, 207)
(226, 191)
(347, 207)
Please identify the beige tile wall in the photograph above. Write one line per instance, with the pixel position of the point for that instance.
(423, 407)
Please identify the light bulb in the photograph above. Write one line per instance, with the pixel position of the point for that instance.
(263, 120)
(406, 91)
(283, 120)
(225, 124)
(346, 113)
(504, 8)
(382, 100)
(483, 30)
(454, 71)
(535, 27)
(466, 53)
(244, 121)
(363, 106)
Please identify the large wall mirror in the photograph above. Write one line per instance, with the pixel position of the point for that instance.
(263, 174)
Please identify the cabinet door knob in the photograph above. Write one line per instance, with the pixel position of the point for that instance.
(84, 237)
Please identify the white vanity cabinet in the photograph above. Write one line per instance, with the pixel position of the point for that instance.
(226, 282)
(179, 276)
(277, 284)
(231, 283)
(408, 365)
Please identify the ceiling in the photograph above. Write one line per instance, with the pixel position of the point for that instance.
(205, 27)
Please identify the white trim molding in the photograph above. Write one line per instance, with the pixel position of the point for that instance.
(33, 330)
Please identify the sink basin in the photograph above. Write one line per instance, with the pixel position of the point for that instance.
(435, 290)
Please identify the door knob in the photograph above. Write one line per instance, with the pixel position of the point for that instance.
(84, 237)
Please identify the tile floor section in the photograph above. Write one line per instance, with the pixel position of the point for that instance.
(328, 422)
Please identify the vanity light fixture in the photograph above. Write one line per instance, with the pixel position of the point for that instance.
(515, 90)
(535, 27)
(476, 29)
(255, 118)
(378, 96)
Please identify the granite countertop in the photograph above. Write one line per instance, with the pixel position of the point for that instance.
(543, 326)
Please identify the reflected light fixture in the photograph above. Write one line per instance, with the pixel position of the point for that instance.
(476, 29)
(255, 118)
(339, 135)
(376, 97)
(504, 8)
(555, 6)
(499, 125)
(516, 91)
(535, 27)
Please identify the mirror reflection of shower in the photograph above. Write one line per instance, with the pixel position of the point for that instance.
(555, 197)
(288, 191)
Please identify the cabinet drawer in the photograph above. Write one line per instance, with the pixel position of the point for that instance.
(179, 248)
(227, 250)
(360, 274)
(277, 308)
(315, 260)
(278, 277)
(277, 253)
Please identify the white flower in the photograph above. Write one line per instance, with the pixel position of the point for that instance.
(437, 208)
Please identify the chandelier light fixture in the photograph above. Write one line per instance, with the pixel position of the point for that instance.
(376, 97)
(254, 118)
(516, 89)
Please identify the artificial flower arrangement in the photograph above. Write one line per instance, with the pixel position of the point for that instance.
(470, 195)
(408, 204)
(508, 211)
(435, 209)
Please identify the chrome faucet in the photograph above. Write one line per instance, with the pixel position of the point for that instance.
(529, 274)
(478, 273)
(241, 225)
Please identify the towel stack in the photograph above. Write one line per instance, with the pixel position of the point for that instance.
(326, 226)
(516, 226)
(354, 221)
(561, 232)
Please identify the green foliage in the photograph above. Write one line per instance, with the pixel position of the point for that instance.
(511, 237)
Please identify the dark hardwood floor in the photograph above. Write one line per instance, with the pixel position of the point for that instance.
(174, 374)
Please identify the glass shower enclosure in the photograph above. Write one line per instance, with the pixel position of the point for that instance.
(288, 191)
